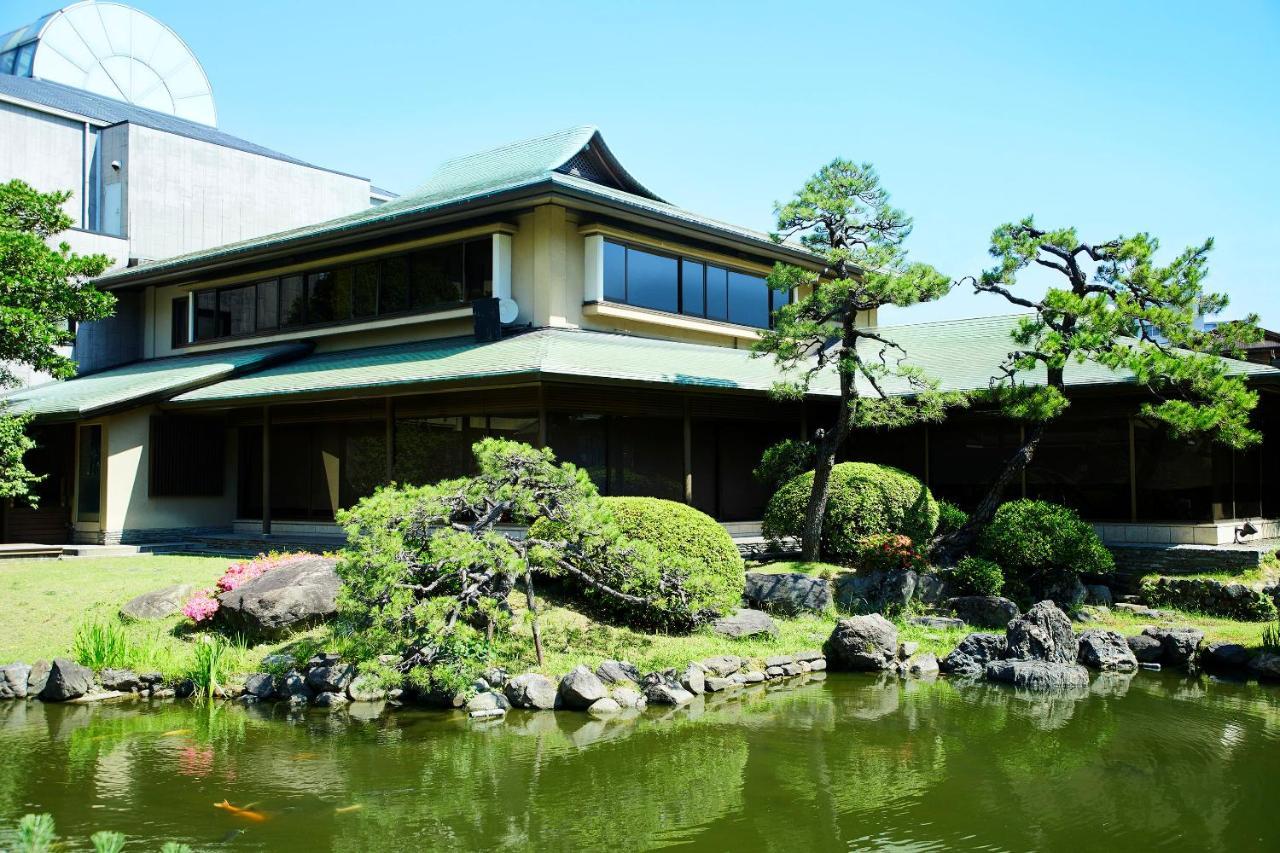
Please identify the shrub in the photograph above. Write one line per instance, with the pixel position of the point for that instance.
(1040, 543)
(888, 552)
(864, 499)
(950, 518)
(678, 531)
(783, 462)
(978, 576)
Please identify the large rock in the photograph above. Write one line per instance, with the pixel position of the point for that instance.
(580, 689)
(744, 623)
(1225, 656)
(1266, 666)
(873, 591)
(618, 672)
(864, 643)
(331, 678)
(1145, 649)
(1098, 594)
(124, 680)
(67, 680)
(1039, 674)
(1042, 633)
(38, 677)
(260, 685)
(971, 657)
(489, 700)
(985, 611)
(723, 666)
(366, 688)
(13, 681)
(786, 593)
(933, 589)
(292, 596)
(1178, 646)
(531, 690)
(694, 679)
(1106, 650)
(664, 688)
(159, 604)
(1068, 593)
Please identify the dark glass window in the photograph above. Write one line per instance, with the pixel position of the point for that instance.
(293, 301)
(268, 304)
(437, 276)
(479, 268)
(748, 300)
(320, 298)
(180, 321)
(364, 290)
(89, 473)
(652, 281)
(615, 272)
(394, 292)
(717, 293)
(691, 301)
(235, 310)
(206, 315)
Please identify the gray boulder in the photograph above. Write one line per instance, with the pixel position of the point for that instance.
(694, 679)
(1042, 633)
(744, 623)
(580, 689)
(531, 690)
(1067, 593)
(922, 666)
(1106, 650)
(331, 678)
(1225, 656)
(1040, 675)
(933, 589)
(628, 697)
(67, 680)
(985, 611)
(1098, 594)
(604, 706)
(869, 591)
(159, 604)
(13, 680)
(331, 700)
(292, 596)
(38, 677)
(664, 688)
(862, 643)
(942, 622)
(260, 685)
(618, 672)
(971, 657)
(292, 686)
(1146, 649)
(786, 593)
(1178, 646)
(723, 666)
(124, 680)
(365, 688)
(1266, 666)
(489, 700)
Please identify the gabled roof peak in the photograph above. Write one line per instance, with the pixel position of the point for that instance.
(579, 151)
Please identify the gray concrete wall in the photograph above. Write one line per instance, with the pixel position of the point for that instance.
(185, 195)
(44, 150)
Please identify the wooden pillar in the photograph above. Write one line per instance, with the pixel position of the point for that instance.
(926, 457)
(688, 453)
(542, 415)
(1133, 474)
(389, 418)
(804, 420)
(266, 470)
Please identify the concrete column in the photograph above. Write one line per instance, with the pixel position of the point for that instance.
(593, 269)
(502, 266)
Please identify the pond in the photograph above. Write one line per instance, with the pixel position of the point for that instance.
(1152, 761)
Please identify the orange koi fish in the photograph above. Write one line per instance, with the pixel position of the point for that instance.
(354, 807)
(246, 812)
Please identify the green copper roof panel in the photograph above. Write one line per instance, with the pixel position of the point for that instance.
(961, 354)
(141, 381)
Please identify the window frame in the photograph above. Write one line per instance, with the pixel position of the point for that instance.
(350, 268)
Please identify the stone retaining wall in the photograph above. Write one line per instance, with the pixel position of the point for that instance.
(1212, 597)
(1184, 559)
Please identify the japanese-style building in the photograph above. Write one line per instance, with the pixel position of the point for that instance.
(538, 291)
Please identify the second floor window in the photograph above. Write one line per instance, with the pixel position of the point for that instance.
(684, 286)
(431, 279)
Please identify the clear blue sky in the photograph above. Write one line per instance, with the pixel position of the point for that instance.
(1113, 117)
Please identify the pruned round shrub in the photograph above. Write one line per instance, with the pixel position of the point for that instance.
(950, 518)
(977, 576)
(864, 499)
(1038, 543)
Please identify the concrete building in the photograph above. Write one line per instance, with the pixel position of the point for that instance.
(103, 100)
(539, 291)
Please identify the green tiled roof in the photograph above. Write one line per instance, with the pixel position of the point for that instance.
(961, 354)
(545, 160)
(141, 381)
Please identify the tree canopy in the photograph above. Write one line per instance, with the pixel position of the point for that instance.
(844, 215)
(43, 293)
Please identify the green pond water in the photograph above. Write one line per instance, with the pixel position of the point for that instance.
(848, 763)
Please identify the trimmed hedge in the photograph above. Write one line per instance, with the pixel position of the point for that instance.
(685, 533)
(1037, 543)
(950, 518)
(978, 576)
(864, 499)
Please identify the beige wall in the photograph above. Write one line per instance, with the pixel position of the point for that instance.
(126, 504)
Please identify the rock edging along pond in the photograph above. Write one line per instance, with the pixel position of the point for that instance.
(1229, 599)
